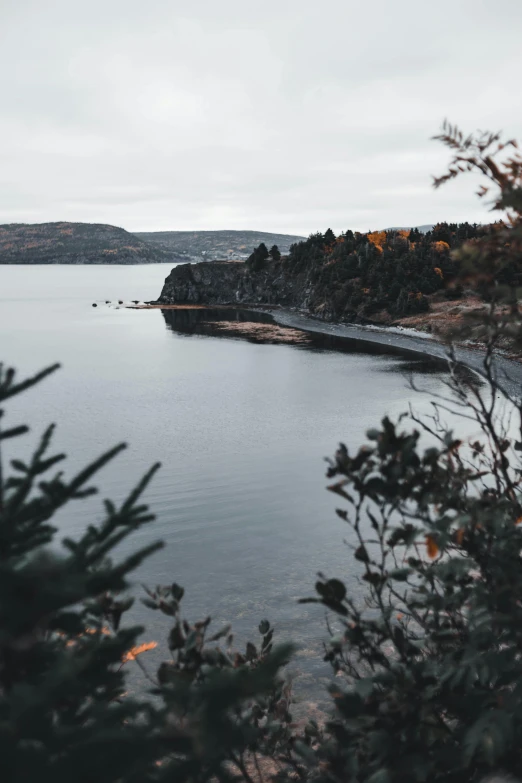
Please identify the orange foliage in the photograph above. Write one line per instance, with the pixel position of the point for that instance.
(404, 233)
(366, 290)
(377, 238)
(88, 631)
(518, 520)
(438, 271)
(440, 247)
(431, 547)
(133, 653)
(459, 536)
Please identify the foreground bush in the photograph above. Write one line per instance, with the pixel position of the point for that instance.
(64, 712)
(427, 655)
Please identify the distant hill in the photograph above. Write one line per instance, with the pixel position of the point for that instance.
(211, 245)
(423, 229)
(74, 243)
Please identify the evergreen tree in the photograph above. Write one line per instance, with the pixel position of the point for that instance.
(64, 712)
(329, 237)
(275, 255)
(258, 257)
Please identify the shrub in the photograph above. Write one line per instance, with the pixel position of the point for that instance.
(64, 712)
(427, 656)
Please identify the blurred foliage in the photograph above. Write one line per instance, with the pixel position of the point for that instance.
(426, 652)
(65, 710)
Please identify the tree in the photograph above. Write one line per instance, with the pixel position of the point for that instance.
(329, 237)
(275, 255)
(64, 654)
(428, 664)
(426, 652)
(258, 257)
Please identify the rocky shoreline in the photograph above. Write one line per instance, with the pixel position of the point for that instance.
(288, 301)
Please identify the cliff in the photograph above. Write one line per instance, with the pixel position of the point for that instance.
(74, 243)
(222, 282)
(380, 277)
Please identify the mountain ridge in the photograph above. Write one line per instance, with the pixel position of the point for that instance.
(223, 244)
(73, 243)
(64, 242)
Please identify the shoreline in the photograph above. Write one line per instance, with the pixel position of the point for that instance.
(509, 370)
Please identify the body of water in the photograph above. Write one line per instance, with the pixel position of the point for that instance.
(241, 431)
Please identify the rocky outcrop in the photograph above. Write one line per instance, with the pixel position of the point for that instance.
(215, 282)
(235, 283)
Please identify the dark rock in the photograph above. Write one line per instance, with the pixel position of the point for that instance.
(94, 304)
(222, 282)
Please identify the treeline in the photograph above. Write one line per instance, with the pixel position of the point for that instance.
(358, 275)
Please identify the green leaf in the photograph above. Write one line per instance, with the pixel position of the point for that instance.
(362, 554)
(380, 776)
(177, 591)
(364, 687)
(399, 574)
(150, 603)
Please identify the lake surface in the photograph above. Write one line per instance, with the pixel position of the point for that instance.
(241, 431)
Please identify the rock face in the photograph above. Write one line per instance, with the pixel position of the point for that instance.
(216, 282)
(234, 283)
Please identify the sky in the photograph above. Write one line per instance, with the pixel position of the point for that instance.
(288, 116)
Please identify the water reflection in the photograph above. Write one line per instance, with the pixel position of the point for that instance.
(207, 322)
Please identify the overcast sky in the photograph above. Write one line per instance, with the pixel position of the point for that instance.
(273, 115)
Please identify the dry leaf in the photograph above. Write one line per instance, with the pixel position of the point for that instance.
(133, 653)
(431, 547)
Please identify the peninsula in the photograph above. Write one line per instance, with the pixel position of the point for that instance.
(395, 277)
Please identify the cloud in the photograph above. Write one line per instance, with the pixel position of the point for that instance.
(283, 116)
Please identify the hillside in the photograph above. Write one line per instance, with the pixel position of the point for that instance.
(74, 243)
(423, 229)
(211, 245)
(381, 276)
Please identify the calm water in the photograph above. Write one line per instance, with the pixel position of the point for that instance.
(241, 431)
